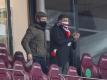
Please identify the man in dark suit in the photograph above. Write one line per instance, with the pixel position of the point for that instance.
(62, 39)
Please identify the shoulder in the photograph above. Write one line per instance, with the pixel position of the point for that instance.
(55, 28)
(32, 28)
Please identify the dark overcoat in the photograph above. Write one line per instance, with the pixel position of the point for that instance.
(60, 42)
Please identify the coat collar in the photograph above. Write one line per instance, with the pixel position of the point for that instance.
(38, 26)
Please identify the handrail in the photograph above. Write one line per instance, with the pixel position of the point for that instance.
(22, 71)
(80, 77)
(62, 75)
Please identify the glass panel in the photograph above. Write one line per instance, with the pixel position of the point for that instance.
(93, 27)
(3, 22)
(93, 14)
(57, 7)
(94, 43)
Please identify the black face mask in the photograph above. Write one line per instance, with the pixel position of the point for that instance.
(43, 24)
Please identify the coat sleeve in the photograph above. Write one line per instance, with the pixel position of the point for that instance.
(25, 41)
(74, 44)
(58, 37)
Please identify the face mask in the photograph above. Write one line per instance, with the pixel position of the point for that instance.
(43, 23)
(65, 24)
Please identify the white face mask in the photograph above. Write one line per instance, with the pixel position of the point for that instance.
(65, 24)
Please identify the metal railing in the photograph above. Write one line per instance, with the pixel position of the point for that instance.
(63, 76)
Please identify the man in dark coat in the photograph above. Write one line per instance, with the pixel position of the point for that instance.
(62, 39)
(34, 41)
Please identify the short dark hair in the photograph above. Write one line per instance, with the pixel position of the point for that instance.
(61, 16)
(41, 14)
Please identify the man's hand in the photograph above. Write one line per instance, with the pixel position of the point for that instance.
(30, 56)
(76, 35)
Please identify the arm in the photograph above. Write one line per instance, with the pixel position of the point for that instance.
(74, 44)
(76, 36)
(25, 42)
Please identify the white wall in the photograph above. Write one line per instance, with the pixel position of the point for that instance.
(19, 10)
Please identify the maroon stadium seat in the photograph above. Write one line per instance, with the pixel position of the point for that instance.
(36, 73)
(18, 56)
(102, 66)
(72, 74)
(86, 63)
(18, 71)
(54, 72)
(4, 74)
(2, 45)
(4, 54)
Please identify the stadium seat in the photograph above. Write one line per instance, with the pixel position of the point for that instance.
(54, 72)
(72, 74)
(18, 71)
(102, 66)
(18, 56)
(2, 45)
(4, 74)
(4, 54)
(88, 68)
(36, 73)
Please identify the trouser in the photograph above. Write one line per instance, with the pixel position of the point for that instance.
(74, 60)
(63, 69)
(42, 62)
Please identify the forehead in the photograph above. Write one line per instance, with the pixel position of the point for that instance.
(65, 19)
(43, 17)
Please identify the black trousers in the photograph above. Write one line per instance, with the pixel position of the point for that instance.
(74, 60)
(42, 61)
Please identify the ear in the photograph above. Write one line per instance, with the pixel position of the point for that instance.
(37, 19)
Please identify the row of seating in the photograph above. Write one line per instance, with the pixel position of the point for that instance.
(17, 71)
(89, 69)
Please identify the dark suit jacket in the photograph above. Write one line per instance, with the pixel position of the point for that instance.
(59, 41)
